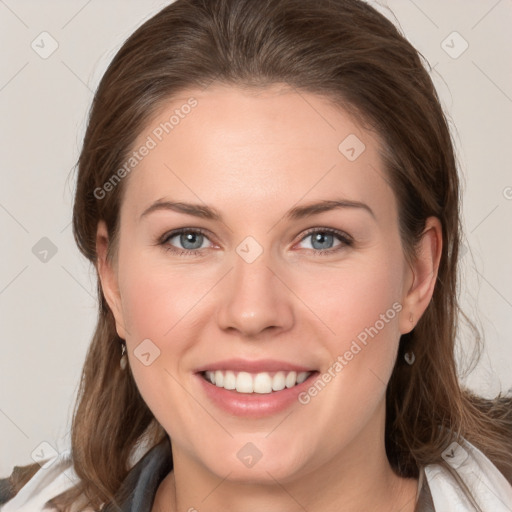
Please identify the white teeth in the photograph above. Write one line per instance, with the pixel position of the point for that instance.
(244, 383)
(302, 376)
(291, 379)
(262, 383)
(229, 380)
(278, 382)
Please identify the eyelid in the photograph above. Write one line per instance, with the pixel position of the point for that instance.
(178, 231)
(163, 241)
(345, 238)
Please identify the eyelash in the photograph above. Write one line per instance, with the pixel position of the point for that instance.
(346, 240)
(180, 252)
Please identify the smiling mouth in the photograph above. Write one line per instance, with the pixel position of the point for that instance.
(261, 383)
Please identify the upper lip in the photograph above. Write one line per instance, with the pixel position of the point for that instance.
(253, 366)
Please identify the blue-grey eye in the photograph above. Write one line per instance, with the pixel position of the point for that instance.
(191, 240)
(188, 240)
(322, 240)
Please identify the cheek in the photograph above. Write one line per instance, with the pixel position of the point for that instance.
(156, 306)
(162, 311)
(349, 299)
(156, 297)
(360, 305)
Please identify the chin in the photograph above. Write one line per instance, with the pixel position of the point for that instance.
(254, 460)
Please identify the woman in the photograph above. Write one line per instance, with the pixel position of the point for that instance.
(268, 192)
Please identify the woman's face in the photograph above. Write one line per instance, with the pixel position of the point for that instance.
(290, 261)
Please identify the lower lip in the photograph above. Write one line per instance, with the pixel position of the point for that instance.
(253, 405)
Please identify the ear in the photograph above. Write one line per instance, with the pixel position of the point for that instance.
(422, 275)
(108, 278)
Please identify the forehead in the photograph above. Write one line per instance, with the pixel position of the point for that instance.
(254, 145)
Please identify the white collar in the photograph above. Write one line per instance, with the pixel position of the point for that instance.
(489, 487)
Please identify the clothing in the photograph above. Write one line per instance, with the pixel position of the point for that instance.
(438, 489)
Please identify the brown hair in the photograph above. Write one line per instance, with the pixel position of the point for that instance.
(343, 50)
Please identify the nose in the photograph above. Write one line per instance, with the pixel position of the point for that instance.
(254, 300)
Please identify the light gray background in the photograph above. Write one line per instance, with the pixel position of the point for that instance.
(48, 309)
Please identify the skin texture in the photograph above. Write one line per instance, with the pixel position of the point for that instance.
(253, 155)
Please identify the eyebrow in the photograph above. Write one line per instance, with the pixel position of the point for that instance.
(197, 210)
(300, 212)
(296, 213)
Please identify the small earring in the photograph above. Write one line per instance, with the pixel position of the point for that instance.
(124, 360)
(409, 357)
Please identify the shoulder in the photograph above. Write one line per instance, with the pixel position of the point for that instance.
(58, 475)
(468, 466)
(44, 483)
(9, 486)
